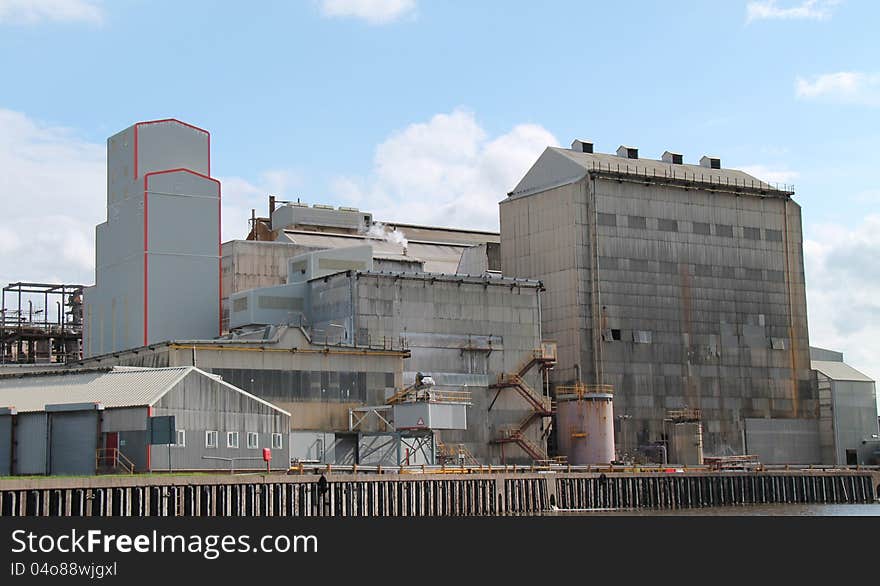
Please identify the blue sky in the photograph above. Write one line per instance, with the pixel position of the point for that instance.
(410, 108)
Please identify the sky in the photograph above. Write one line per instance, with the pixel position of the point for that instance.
(431, 111)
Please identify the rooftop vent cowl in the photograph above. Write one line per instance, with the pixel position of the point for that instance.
(582, 146)
(627, 152)
(710, 162)
(672, 158)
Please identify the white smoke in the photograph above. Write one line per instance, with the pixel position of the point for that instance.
(380, 231)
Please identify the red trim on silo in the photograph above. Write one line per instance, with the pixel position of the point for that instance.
(146, 256)
(145, 123)
(149, 414)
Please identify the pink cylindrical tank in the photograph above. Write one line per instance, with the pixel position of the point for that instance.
(585, 425)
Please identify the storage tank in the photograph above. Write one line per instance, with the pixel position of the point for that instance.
(585, 424)
(684, 431)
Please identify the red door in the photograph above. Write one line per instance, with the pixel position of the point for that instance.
(111, 445)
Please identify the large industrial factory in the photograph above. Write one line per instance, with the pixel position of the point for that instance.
(629, 310)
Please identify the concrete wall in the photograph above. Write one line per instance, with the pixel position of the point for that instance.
(783, 441)
(677, 297)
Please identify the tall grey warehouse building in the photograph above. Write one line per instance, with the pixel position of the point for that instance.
(680, 285)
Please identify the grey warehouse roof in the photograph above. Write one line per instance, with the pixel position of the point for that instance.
(839, 371)
(120, 387)
(559, 166)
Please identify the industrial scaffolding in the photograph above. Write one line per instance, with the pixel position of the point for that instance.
(28, 335)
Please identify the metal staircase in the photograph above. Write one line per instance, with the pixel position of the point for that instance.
(112, 461)
(541, 406)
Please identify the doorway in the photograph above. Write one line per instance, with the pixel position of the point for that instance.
(852, 458)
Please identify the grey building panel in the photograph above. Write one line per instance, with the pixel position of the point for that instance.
(73, 442)
(172, 144)
(194, 278)
(124, 419)
(5, 445)
(783, 441)
(31, 433)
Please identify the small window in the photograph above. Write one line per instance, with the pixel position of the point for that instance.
(667, 225)
(253, 440)
(752, 233)
(607, 219)
(777, 343)
(210, 439)
(724, 230)
(615, 334)
(181, 438)
(276, 441)
(702, 228)
(773, 235)
(754, 274)
(641, 337)
(636, 222)
(232, 439)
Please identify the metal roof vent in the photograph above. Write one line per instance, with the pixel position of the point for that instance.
(710, 162)
(674, 158)
(582, 146)
(627, 152)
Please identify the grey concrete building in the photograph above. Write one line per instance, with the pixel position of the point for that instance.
(680, 285)
(157, 267)
(84, 421)
(296, 228)
(847, 411)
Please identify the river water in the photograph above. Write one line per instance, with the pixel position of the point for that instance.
(794, 510)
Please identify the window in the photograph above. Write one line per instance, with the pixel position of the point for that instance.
(641, 337)
(253, 440)
(702, 228)
(607, 219)
(181, 438)
(636, 222)
(276, 441)
(667, 225)
(232, 439)
(773, 235)
(210, 439)
(724, 230)
(752, 233)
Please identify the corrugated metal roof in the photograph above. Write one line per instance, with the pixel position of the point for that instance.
(839, 371)
(121, 387)
(589, 160)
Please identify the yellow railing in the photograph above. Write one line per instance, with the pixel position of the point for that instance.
(684, 414)
(430, 395)
(114, 458)
(581, 389)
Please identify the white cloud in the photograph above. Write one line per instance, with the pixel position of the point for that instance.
(843, 291)
(53, 187)
(35, 11)
(846, 87)
(446, 171)
(371, 11)
(240, 196)
(769, 174)
(806, 10)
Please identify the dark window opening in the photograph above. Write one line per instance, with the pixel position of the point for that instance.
(615, 334)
